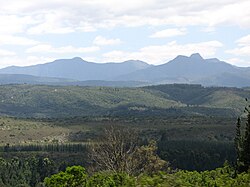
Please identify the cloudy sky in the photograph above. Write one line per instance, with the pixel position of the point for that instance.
(155, 31)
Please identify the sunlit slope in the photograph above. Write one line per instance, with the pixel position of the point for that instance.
(65, 101)
(213, 97)
(57, 101)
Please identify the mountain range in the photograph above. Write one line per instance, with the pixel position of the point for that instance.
(190, 70)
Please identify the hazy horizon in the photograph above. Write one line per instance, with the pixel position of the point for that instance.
(118, 62)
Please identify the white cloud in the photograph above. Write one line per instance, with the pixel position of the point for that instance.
(4, 52)
(100, 40)
(169, 33)
(159, 54)
(240, 51)
(14, 23)
(24, 61)
(208, 29)
(16, 40)
(238, 62)
(19, 19)
(244, 41)
(89, 15)
(51, 21)
(46, 48)
(243, 48)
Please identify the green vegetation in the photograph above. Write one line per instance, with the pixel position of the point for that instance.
(206, 142)
(15, 131)
(196, 155)
(186, 132)
(216, 97)
(219, 177)
(24, 172)
(111, 151)
(60, 101)
(242, 143)
(74, 176)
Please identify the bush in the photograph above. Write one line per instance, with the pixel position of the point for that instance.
(75, 176)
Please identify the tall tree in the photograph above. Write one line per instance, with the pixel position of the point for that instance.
(242, 143)
(120, 151)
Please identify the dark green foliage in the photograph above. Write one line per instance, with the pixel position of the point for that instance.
(60, 101)
(246, 142)
(110, 180)
(67, 148)
(238, 144)
(204, 141)
(74, 176)
(25, 172)
(242, 143)
(196, 155)
(219, 177)
(195, 95)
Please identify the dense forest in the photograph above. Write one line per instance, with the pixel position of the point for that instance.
(41, 101)
(195, 142)
(124, 159)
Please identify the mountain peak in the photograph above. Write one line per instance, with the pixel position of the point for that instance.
(77, 58)
(196, 56)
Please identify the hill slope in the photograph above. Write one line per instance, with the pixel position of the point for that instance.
(172, 100)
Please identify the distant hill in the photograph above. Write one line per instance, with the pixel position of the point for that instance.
(35, 80)
(29, 79)
(103, 83)
(164, 100)
(78, 69)
(182, 69)
(193, 69)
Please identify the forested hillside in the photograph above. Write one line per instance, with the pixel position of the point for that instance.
(170, 100)
(178, 127)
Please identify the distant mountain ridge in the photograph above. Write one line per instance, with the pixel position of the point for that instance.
(193, 69)
(35, 80)
(78, 69)
(182, 69)
(29, 79)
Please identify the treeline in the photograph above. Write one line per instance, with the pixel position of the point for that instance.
(26, 172)
(182, 154)
(196, 155)
(45, 148)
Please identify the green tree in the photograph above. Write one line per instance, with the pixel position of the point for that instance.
(74, 176)
(111, 180)
(246, 142)
(242, 143)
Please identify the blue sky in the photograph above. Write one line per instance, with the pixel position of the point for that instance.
(155, 31)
